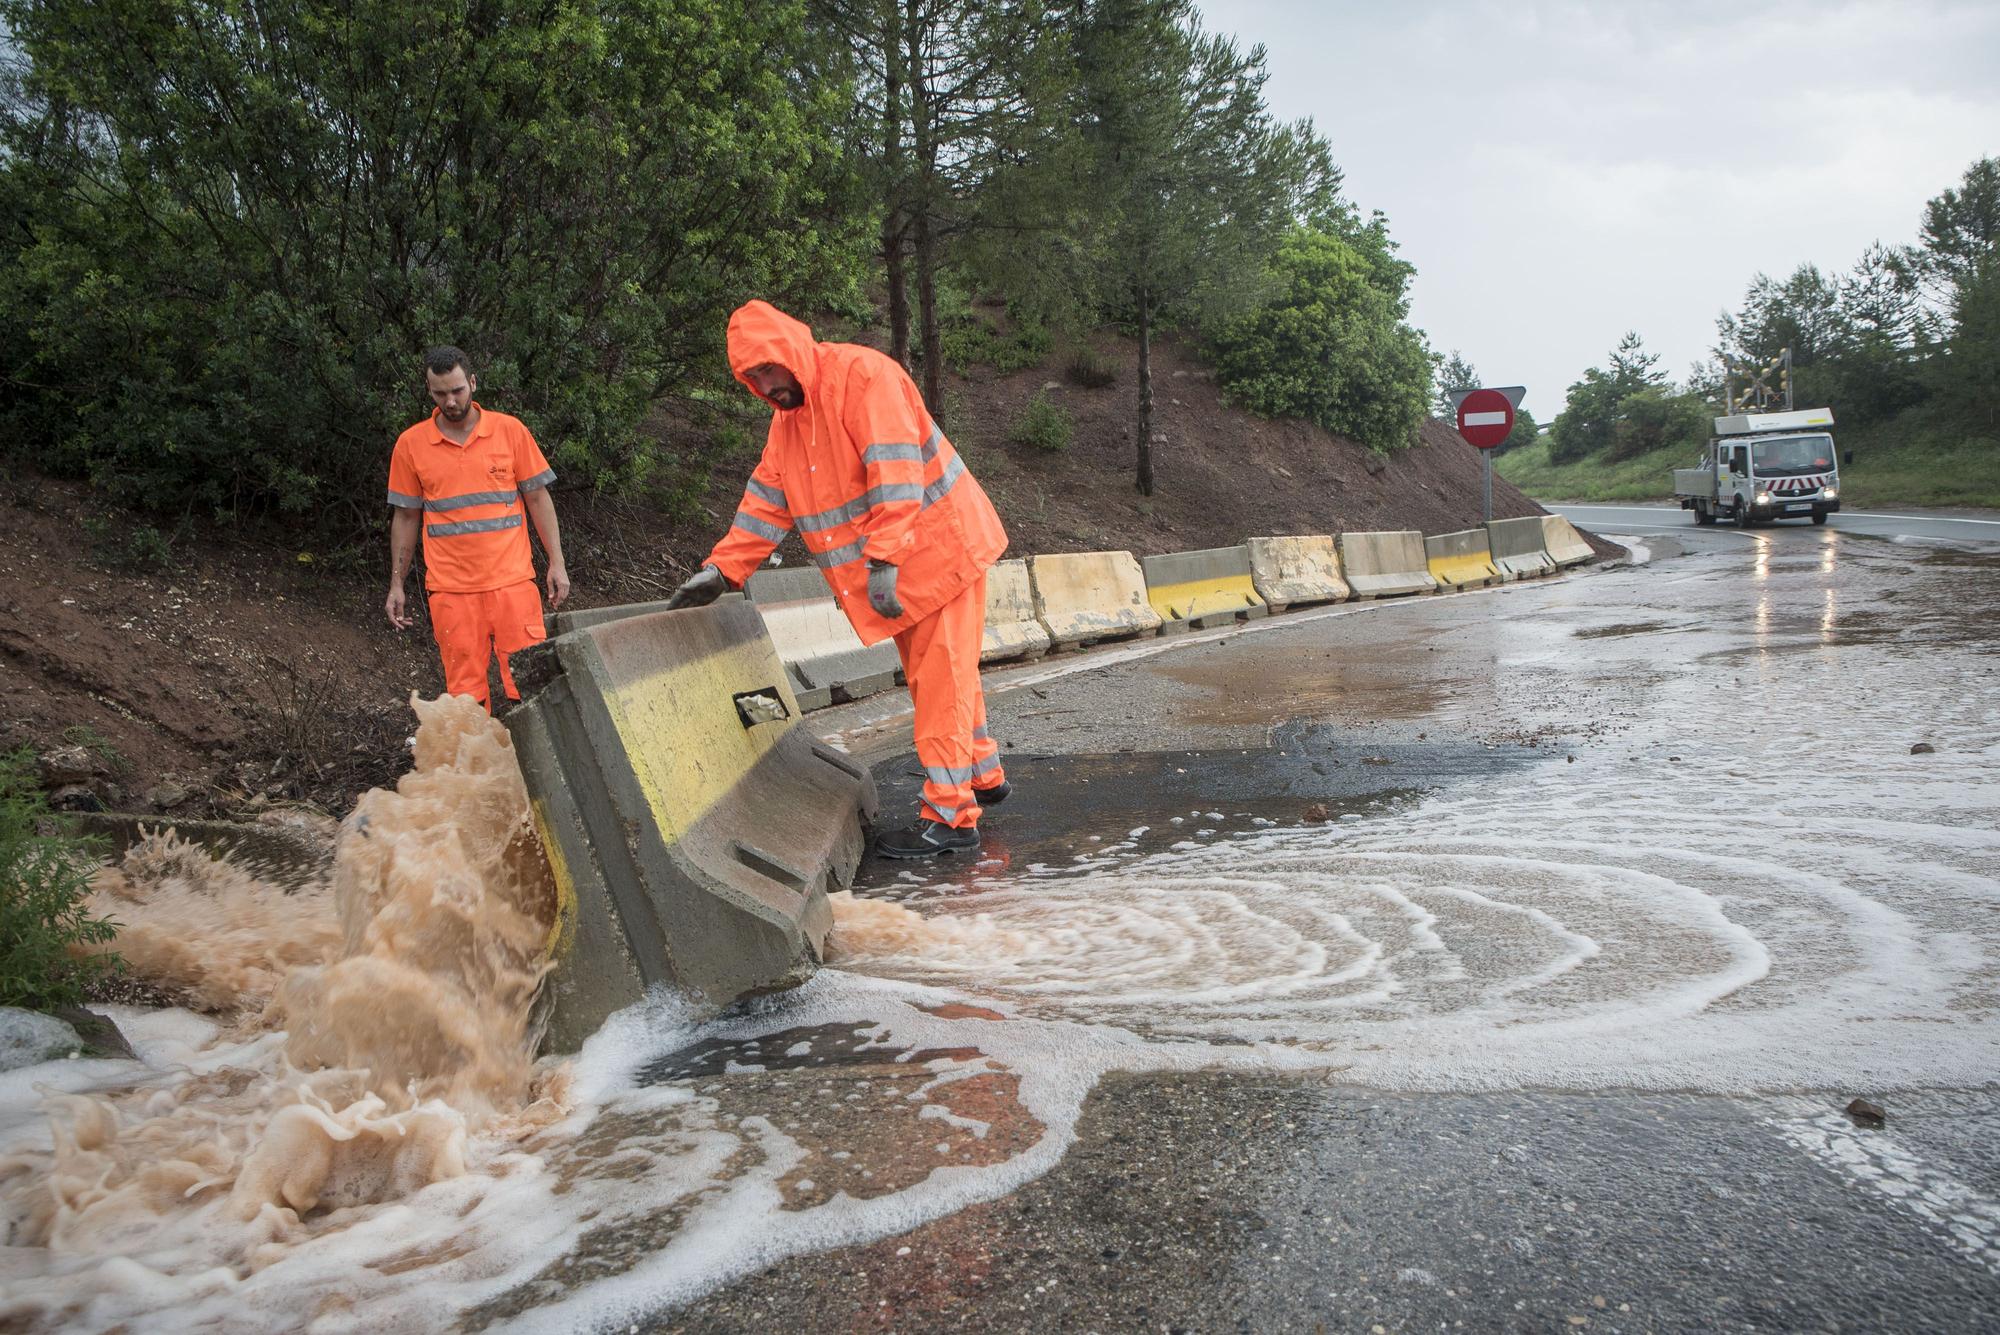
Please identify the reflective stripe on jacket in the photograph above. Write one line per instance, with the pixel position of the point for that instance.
(862, 472)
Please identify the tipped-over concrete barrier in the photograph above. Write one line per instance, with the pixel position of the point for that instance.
(828, 662)
(576, 618)
(1563, 543)
(1011, 628)
(1292, 571)
(1461, 560)
(1205, 588)
(1084, 597)
(694, 826)
(1517, 547)
(1385, 565)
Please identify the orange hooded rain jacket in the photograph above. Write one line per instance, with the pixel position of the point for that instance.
(862, 472)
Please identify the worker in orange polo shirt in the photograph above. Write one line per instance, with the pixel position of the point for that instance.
(470, 478)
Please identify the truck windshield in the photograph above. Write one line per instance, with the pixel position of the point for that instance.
(1789, 456)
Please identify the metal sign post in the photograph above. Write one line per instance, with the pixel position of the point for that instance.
(1485, 419)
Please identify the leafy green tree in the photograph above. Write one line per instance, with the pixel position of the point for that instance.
(1958, 238)
(1453, 373)
(1193, 180)
(1526, 432)
(1330, 346)
(250, 218)
(1598, 403)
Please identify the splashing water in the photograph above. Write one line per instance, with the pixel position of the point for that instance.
(402, 991)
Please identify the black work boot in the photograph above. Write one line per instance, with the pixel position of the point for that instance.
(994, 796)
(927, 839)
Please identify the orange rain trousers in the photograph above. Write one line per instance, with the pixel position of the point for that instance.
(941, 660)
(472, 628)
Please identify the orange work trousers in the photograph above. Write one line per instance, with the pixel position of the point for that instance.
(941, 662)
(473, 628)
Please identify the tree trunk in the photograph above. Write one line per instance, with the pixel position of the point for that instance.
(899, 290)
(895, 223)
(1145, 479)
(924, 248)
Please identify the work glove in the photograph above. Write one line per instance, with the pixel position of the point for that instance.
(703, 588)
(882, 590)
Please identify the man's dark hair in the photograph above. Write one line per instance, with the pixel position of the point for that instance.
(440, 360)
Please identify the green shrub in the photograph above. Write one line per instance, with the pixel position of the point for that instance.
(44, 889)
(1330, 346)
(1043, 424)
(1089, 370)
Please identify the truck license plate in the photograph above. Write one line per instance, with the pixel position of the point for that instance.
(1794, 509)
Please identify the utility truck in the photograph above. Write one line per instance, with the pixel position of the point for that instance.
(1759, 467)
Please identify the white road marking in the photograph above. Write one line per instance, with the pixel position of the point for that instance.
(1968, 1219)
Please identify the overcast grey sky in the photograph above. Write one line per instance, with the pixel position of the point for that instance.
(1560, 173)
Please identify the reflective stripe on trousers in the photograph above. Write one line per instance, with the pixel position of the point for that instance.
(941, 660)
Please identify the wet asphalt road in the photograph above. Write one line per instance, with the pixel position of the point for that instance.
(1980, 526)
(1207, 1200)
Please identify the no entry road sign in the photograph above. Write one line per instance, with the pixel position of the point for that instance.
(1485, 417)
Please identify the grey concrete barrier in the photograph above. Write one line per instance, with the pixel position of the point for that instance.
(1386, 564)
(1563, 543)
(1517, 547)
(1461, 560)
(1084, 597)
(828, 662)
(1205, 588)
(1011, 628)
(1292, 571)
(694, 826)
(575, 618)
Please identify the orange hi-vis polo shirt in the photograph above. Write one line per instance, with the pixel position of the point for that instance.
(475, 526)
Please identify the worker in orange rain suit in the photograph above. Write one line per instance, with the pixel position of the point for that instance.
(467, 476)
(902, 532)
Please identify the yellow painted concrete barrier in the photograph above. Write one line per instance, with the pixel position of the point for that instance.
(1205, 588)
(1517, 547)
(1011, 628)
(1461, 560)
(1084, 597)
(695, 826)
(1386, 564)
(1291, 571)
(1563, 543)
(828, 662)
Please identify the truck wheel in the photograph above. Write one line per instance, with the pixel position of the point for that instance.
(1702, 514)
(1819, 516)
(1742, 513)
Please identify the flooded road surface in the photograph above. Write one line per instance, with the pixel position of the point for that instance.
(1493, 961)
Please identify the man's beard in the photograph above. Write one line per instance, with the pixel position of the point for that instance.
(456, 414)
(788, 398)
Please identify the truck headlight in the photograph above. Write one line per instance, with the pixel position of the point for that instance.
(1763, 498)
(1830, 494)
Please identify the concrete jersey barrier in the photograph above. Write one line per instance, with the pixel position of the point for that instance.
(1461, 560)
(1292, 571)
(1563, 543)
(828, 662)
(1386, 564)
(693, 825)
(561, 623)
(1011, 628)
(1205, 588)
(1083, 597)
(1517, 547)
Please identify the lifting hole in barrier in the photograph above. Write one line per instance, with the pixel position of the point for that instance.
(765, 706)
(768, 869)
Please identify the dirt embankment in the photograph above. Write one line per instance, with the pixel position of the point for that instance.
(244, 674)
